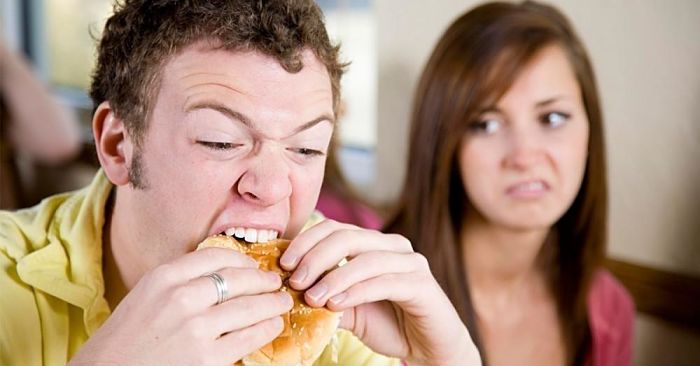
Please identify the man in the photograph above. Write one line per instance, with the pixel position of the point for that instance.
(211, 117)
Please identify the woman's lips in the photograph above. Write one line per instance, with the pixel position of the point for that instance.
(528, 189)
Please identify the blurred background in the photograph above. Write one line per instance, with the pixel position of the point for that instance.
(647, 57)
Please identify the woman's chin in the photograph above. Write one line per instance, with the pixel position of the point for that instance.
(528, 223)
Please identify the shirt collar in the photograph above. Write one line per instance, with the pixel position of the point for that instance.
(69, 266)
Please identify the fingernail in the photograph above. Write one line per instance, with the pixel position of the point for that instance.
(299, 275)
(273, 276)
(337, 299)
(278, 323)
(288, 260)
(317, 292)
(288, 301)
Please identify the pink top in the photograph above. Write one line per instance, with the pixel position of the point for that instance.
(611, 318)
(334, 207)
(610, 307)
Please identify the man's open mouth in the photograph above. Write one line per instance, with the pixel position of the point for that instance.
(252, 235)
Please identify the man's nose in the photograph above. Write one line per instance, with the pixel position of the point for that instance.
(525, 149)
(266, 181)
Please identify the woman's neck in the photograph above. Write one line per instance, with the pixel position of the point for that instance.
(501, 262)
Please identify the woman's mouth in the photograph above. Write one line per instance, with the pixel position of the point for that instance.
(528, 189)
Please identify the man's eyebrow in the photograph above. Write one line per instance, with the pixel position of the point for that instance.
(246, 121)
(314, 122)
(230, 113)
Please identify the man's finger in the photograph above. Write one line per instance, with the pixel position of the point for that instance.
(201, 262)
(239, 282)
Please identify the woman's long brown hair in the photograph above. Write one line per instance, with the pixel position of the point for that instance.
(474, 63)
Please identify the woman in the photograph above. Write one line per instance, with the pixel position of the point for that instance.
(506, 194)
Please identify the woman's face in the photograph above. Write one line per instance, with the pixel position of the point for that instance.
(522, 161)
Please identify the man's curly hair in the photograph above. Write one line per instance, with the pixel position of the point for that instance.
(142, 35)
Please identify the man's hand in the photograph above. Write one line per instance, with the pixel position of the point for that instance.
(389, 297)
(171, 317)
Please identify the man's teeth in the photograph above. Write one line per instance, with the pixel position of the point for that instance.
(252, 235)
(239, 232)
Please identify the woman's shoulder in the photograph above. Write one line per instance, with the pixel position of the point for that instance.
(608, 296)
(611, 319)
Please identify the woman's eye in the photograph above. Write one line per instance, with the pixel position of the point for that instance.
(487, 127)
(554, 119)
(307, 152)
(222, 146)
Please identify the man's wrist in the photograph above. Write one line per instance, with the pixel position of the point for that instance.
(464, 356)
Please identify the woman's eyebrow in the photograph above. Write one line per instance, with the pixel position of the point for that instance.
(551, 100)
(489, 109)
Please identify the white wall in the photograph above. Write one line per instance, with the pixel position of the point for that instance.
(406, 33)
(9, 25)
(355, 29)
(647, 57)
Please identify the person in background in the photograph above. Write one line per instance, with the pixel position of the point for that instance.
(339, 201)
(506, 192)
(33, 124)
(211, 116)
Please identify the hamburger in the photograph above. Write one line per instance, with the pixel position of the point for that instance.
(307, 330)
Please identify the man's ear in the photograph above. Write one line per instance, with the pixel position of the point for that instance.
(114, 145)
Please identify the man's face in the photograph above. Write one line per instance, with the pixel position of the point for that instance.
(234, 141)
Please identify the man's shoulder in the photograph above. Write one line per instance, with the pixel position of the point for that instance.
(25, 230)
(347, 349)
(315, 218)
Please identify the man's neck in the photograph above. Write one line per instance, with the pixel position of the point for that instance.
(120, 269)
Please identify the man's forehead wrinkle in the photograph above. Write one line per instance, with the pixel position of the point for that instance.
(193, 89)
(190, 72)
(192, 97)
(255, 87)
(204, 78)
(207, 86)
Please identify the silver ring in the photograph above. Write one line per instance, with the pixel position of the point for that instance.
(221, 287)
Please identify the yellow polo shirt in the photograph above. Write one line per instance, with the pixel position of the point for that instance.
(51, 285)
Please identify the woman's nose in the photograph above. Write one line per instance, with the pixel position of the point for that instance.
(525, 149)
